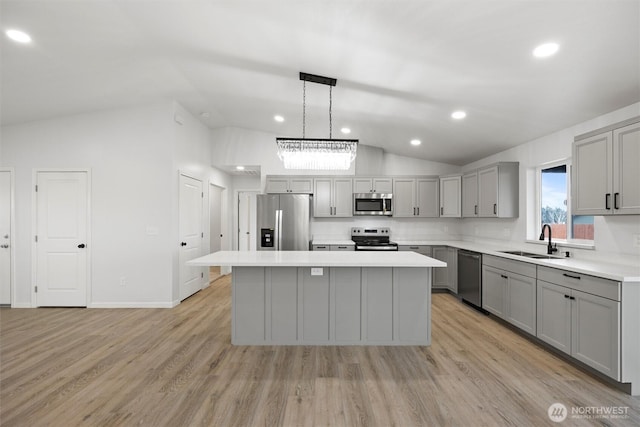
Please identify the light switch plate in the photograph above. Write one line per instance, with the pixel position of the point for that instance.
(316, 271)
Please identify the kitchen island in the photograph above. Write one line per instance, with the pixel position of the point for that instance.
(328, 298)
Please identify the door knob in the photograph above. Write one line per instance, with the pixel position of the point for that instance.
(183, 244)
(81, 245)
(4, 246)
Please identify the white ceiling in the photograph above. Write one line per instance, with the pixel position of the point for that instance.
(402, 66)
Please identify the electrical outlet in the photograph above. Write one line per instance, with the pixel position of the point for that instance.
(123, 281)
(316, 271)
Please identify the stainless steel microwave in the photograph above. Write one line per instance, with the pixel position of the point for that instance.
(373, 204)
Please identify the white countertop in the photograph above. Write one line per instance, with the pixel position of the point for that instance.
(316, 259)
(607, 270)
(329, 242)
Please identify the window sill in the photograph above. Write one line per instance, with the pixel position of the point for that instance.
(564, 244)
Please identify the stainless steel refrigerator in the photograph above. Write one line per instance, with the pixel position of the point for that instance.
(283, 222)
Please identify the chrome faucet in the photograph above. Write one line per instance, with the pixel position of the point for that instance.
(550, 249)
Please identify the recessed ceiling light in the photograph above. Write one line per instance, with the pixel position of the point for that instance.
(18, 36)
(278, 118)
(458, 115)
(205, 114)
(416, 142)
(345, 130)
(240, 168)
(546, 49)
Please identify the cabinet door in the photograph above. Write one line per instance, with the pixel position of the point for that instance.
(494, 284)
(554, 315)
(404, 203)
(342, 197)
(427, 201)
(378, 302)
(343, 247)
(470, 195)
(382, 185)
(301, 185)
(626, 170)
(321, 247)
(322, 188)
(452, 269)
(591, 176)
(348, 304)
(521, 302)
(277, 185)
(283, 285)
(440, 275)
(362, 185)
(595, 333)
(450, 200)
(488, 192)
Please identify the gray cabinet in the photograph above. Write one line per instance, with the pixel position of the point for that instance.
(332, 197)
(451, 196)
(421, 249)
(320, 247)
(605, 174)
(452, 269)
(580, 315)
(289, 184)
(509, 291)
(372, 185)
(416, 197)
(491, 192)
(333, 247)
(440, 276)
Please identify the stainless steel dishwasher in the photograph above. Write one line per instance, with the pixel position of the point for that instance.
(470, 277)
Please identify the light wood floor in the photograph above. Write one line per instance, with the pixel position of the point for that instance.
(176, 367)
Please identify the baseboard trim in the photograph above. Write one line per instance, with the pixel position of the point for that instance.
(22, 305)
(134, 304)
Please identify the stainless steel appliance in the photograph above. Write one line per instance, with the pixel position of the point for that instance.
(283, 222)
(470, 277)
(372, 239)
(373, 204)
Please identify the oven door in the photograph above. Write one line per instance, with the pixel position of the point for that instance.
(372, 204)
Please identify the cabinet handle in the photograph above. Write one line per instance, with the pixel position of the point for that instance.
(570, 276)
(413, 247)
(418, 210)
(475, 209)
(414, 211)
(495, 208)
(321, 247)
(567, 297)
(504, 277)
(572, 298)
(607, 201)
(441, 211)
(615, 200)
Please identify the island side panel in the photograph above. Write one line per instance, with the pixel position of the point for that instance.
(412, 305)
(347, 294)
(315, 305)
(284, 304)
(248, 305)
(378, 304)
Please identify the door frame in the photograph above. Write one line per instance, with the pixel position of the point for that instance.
(34, 230)
(12, 233)
(236, 217)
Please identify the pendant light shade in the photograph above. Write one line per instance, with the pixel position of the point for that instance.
(315, 153)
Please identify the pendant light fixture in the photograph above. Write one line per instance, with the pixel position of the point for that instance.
(315, 153)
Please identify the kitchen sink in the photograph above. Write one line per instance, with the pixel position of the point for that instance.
(530, 255)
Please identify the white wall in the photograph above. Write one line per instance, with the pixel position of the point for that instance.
(134, 155)
(613, 235)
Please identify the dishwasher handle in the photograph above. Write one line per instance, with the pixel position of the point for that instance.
(468, 254)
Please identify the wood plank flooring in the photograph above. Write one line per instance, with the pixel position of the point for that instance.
(177, 367)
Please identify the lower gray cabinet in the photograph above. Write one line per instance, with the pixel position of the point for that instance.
(509, 291)
(284, 300)
(452, 269)
(315, 305)
(378, 296)
(440, 275)
(348, 311)
(580, 324)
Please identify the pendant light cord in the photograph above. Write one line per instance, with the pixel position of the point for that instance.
(330, 123)
(304, 106)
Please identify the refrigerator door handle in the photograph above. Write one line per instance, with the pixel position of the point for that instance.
(276, 238)
(278, 230)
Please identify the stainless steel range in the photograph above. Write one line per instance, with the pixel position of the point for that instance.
(372, 239)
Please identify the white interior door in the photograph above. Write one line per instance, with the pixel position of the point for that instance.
(246, 220)
(62, 210)
(191, 235)
(5, 237)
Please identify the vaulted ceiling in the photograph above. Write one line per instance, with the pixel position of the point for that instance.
(402, 66)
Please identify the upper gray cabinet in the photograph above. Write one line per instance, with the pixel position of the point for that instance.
(491, 192)
(415, 197)
(450, 196)
(373, 185)
(289, 184)
(332, 197)
(605, 174)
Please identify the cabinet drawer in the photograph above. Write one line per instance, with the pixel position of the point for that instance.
(421, 249)
(343, 247)
(581, 282)
(518, 267)
(321, 247)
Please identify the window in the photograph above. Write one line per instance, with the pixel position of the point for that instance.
(554, 207)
